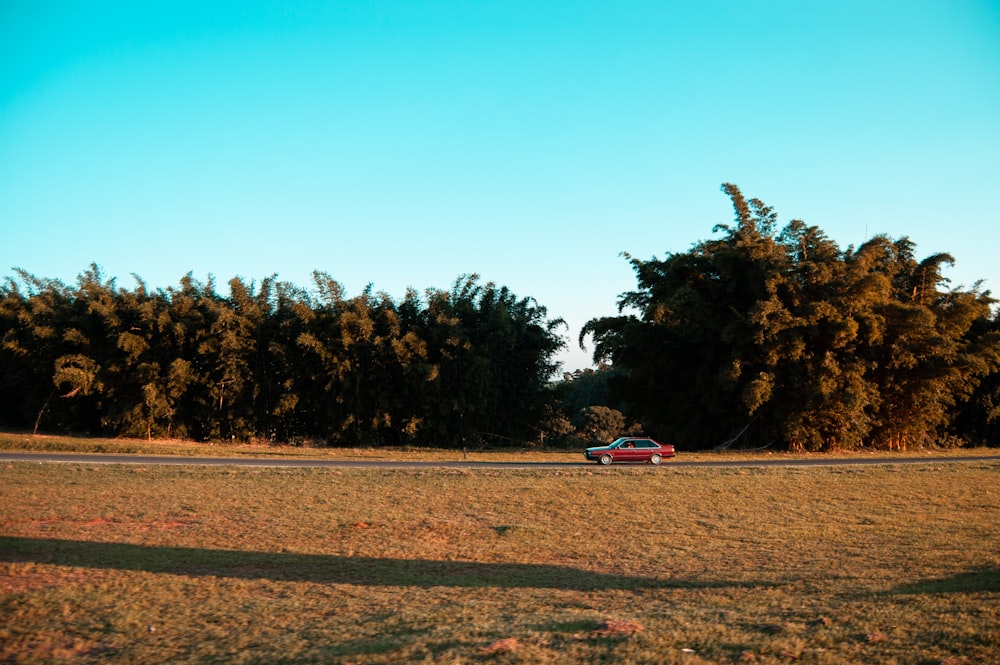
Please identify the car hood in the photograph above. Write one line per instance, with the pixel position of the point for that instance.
(596, 448)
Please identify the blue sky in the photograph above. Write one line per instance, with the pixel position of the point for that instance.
(404, 144)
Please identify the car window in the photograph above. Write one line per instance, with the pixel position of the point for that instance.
(645, 444)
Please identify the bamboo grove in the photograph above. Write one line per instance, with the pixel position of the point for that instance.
(274, 362)
(767, 338)
(755, 338)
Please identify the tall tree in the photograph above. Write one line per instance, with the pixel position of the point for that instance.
(273, 361)
(30, 311)
(924, 362)
(496, 353)
(784, 339)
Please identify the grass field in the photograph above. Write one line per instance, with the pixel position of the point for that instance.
(126, 564)
(25, 442)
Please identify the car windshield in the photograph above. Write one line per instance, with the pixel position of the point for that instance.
(618, 442)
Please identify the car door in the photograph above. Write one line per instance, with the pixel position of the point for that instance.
(645, 450)
(627, 452)
(641, 453)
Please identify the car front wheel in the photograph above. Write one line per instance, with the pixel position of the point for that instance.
(655, 459)
(605, 459)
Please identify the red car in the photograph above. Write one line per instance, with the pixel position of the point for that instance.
(630, 449)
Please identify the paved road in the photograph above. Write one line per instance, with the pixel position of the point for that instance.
(83, 458)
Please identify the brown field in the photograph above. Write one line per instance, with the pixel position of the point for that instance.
(181, 448)
(873, 564)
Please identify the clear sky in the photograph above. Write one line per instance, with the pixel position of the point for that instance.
(406, 143)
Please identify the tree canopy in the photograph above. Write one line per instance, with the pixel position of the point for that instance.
(757, 337)
(272, 361)
(781, 338)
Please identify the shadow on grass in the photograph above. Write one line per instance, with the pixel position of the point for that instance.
(324, 568)
(986, 579)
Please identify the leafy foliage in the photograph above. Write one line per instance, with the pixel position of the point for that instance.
(757, 337)
(275, 362)
(782, 338)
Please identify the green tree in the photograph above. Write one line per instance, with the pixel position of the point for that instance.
(600, 424)
(31, 313)
(232, 356)
(925, 363)
(495, 353)
(692, 369)
(274, 361)
(87, 325)
(977, 419)
(810, 329)
(768, 338)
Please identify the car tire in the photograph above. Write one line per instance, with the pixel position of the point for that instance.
(605, 459)
(655, 459)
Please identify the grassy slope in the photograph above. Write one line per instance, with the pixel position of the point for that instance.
(188, 565)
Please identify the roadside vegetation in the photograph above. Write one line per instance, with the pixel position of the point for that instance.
(274, 362)
(756, 338)
(127, 564)
(778, 337)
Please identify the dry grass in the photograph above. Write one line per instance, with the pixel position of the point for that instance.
(127, 564)
(25, 442)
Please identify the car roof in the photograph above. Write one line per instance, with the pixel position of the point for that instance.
(623, 439)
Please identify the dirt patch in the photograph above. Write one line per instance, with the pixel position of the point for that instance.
(506, 645)
(618, 628)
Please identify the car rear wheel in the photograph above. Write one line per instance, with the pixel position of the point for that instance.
(605, 459)
(654, 459)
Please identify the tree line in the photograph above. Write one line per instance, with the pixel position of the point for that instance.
(272, 361)
(759, 337)
(763, 337)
